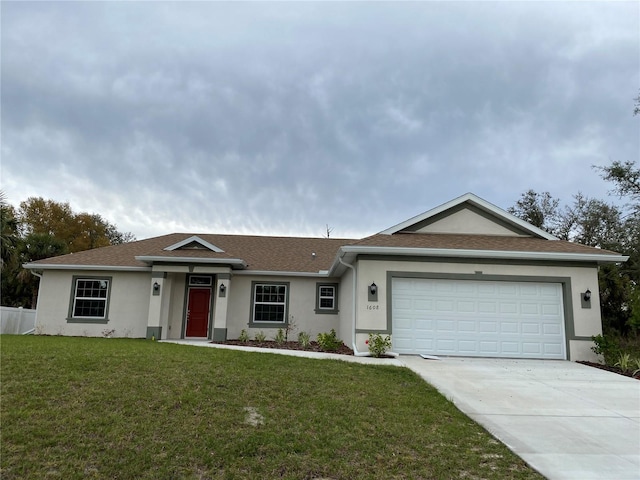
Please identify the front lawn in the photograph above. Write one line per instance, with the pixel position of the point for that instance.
(124, 409)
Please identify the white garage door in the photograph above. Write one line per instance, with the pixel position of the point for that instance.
(477, 318)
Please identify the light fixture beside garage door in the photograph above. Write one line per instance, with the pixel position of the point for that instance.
(373, 292)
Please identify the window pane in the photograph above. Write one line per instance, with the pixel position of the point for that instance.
(268, 313)
(90, 298)
(269, 303)
(326, 303)
(92, 288)
(326, 291)
(89, 308)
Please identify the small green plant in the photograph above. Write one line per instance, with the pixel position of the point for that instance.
(636, 366)
(244, 336)
(290, 328)
(304, 339)
(606, 346)
(260, 336)
(329, 342)
(378, 345)
(624, 362)
(280, 337)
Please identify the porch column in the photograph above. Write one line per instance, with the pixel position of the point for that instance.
(158, 311)
(221, 292)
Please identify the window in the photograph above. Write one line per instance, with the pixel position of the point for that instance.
(90, 299)
(327, 298)
(200, 280)
(269, 303)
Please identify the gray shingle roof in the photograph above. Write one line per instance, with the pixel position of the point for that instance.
(294, 254)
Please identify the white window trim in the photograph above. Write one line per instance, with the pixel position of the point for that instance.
(332, 297)
(326, 310)
(74, 298)
(265, 323)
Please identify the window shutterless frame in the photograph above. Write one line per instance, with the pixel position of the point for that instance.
(269, 304)
(89, 301)
(326, 298)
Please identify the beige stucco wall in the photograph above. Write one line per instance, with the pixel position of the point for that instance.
(302, 300)
(346, 307)
(128, 304)
(586, 322)
(468, 222)
(176, 305)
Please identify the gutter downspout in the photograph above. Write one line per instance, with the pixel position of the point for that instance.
(355, 291)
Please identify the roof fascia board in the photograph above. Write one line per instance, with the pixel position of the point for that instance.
(478, 202)
(191, 239)
(112, 268)
(320, 274)
(237, 262)
(497, 254)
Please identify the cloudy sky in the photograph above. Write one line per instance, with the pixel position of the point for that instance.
(281, 118)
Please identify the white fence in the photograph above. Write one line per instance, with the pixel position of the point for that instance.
(17, 320)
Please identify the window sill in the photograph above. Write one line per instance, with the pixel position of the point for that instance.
(320, 311)
(268, 325)
(97, 321)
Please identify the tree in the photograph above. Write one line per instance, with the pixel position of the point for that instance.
(597, 224)
(626, 179)
(41, 229)
(37, 246)
(539, 209)
(79, 231)
(8, 233)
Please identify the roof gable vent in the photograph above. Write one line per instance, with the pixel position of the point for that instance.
(193, 243)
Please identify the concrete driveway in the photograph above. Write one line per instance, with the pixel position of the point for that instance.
(566, 420)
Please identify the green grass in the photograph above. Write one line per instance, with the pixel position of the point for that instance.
(124, 409)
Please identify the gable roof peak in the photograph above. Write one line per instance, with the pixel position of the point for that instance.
(194, 239)
(475, 201)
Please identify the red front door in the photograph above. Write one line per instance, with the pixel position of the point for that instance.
(198, 312)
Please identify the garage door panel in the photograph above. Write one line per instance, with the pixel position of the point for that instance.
(487, 307)
(476, 318)
(509, 327)
(530, 309)
(551, 329)
(550, 310)
(488, 348)
(487, 326)
(531, 328)
(467, 326)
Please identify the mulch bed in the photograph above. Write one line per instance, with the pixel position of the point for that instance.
(313, 346)
(610, 369)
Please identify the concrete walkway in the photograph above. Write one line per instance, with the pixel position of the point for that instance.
(566, 420)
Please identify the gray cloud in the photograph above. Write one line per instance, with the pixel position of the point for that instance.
(281, 118)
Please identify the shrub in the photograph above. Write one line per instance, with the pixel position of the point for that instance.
(329, 342)
(279, 337)
(624, 362)
(378, 345)
(260, 336)
(244, 336)
(304, 339)
(608, 347)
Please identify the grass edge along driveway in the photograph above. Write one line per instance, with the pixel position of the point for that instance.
(124, 409)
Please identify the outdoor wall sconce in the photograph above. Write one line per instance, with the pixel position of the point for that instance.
(372, 292)
(156, 287)
(587, 295)
(223, 289)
